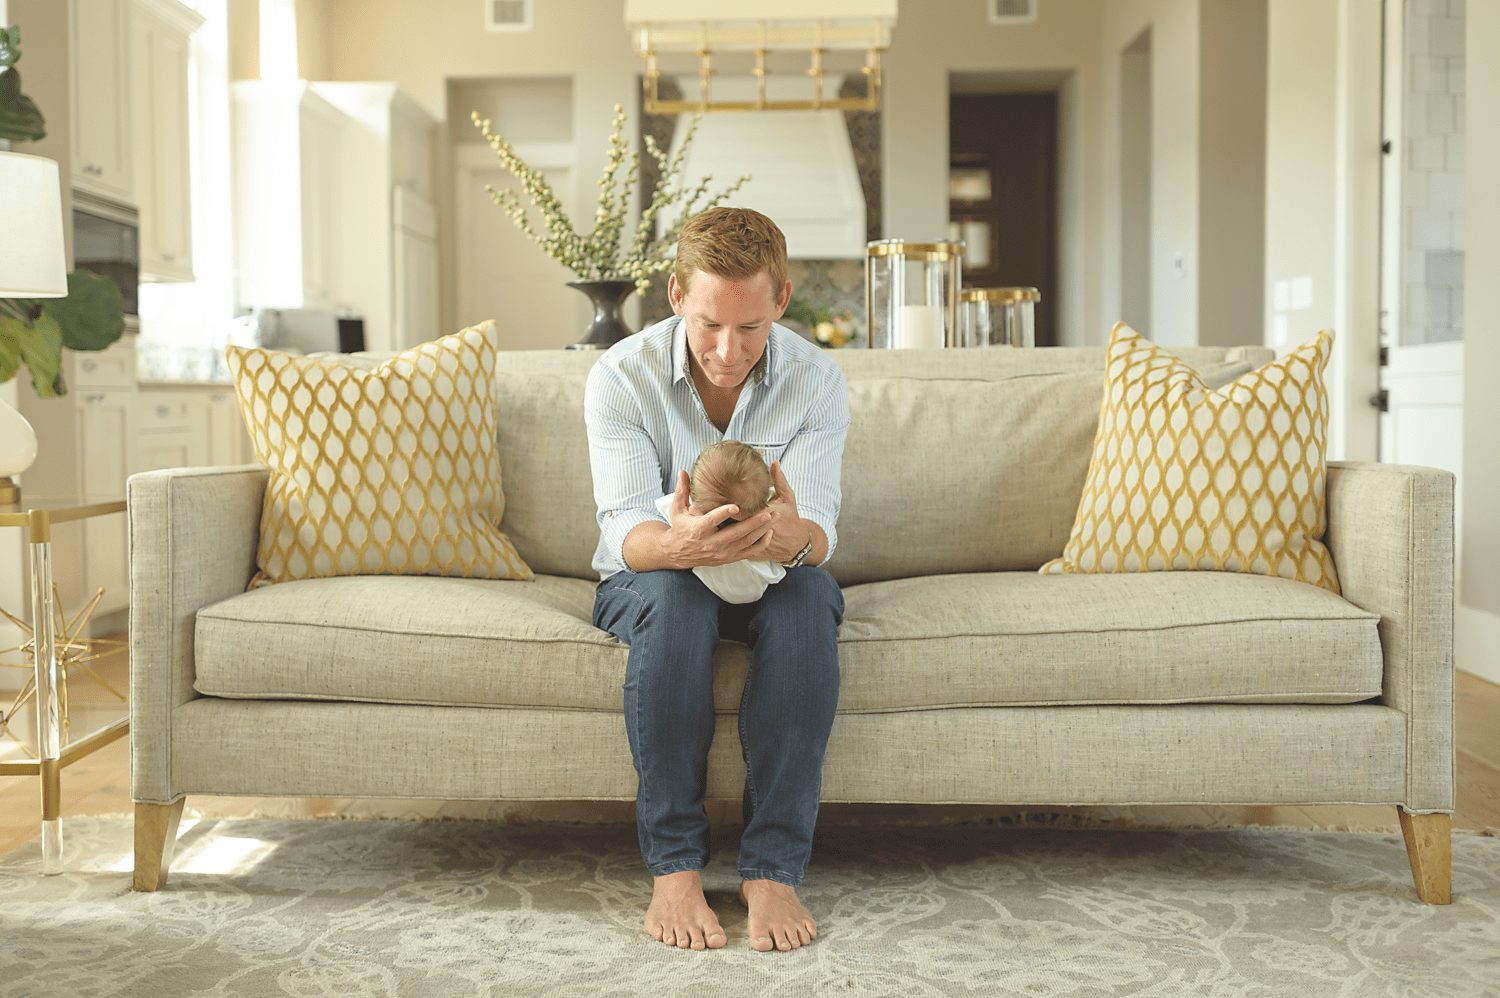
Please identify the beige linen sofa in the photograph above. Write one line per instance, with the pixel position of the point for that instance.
(966, 676)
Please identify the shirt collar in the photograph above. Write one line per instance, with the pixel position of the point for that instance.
(760, 374)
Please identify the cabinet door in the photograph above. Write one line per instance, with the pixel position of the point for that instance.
(416, 267)
(101, 123)
(159, 116)
(228, 442)
(169, 449)
(320, 128)
(106, 431)
(105, 436)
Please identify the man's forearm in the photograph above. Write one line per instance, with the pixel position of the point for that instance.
(643, 551)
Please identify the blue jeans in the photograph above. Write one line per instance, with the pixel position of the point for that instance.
(672, 623)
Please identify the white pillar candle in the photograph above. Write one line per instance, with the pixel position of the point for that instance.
(921, 327)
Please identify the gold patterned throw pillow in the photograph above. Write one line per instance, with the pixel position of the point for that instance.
(1186, 477)
(391, 470)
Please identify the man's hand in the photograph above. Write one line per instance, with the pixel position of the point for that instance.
(693, 541)
(791, 533)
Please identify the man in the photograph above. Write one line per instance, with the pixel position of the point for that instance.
(719, 369)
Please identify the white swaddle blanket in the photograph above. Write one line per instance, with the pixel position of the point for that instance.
(739, 581)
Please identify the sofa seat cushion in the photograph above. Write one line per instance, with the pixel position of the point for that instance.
(991, 639)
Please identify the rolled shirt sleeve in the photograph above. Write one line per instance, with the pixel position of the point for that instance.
(813, 459)
(626, 468)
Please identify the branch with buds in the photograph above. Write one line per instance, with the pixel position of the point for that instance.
(598, 254)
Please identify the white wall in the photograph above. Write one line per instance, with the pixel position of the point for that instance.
(1231, 172)
(937, 39)
(1175, 140)
(422, 45)
(1478, 623)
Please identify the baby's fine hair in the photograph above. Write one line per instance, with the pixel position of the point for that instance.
(730, 472)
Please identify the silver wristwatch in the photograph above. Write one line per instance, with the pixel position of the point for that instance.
(800, 556)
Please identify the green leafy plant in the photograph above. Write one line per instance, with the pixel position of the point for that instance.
(20, 119)
(34, 332)
(598, 254)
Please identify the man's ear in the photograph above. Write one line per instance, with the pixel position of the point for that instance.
(675, 293)
(784, 300)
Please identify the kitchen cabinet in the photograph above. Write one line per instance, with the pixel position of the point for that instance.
(415, 267)
(389, 233)
(289, 169)
(98, 46)
(228, 441)
(104, 436)
(172, 429)
(93, 439)
(159, 44)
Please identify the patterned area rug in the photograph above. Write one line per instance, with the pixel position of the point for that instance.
(319, 908)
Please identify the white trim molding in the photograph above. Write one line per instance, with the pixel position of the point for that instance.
(1476, 644)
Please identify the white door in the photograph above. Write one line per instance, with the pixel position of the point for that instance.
(1422, 238)
(503, 275)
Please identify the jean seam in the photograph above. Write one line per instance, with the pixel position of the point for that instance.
(745, 744)
(772, 875)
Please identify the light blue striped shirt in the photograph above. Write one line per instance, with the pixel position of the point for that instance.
(646, 422)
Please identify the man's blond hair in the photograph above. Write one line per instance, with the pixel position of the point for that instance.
(730, 472)
(734, 243)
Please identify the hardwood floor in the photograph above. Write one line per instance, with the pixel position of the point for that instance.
(100, 784)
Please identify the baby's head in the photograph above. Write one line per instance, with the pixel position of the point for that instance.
(729, 472)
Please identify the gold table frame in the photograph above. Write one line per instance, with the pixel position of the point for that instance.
(51, 755)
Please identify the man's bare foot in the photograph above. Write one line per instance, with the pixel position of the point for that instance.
(679, 915)
(777, 918)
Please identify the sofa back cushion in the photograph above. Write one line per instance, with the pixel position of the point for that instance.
(957, 461)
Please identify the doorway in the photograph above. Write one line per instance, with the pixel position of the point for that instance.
(1421, 395)
(1002, 187)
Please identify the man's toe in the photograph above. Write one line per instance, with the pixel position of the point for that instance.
(763, 943)
(782, 942)
(696, 934)
(683, 939)
(715, 938)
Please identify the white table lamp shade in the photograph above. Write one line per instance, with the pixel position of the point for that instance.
(32, 260)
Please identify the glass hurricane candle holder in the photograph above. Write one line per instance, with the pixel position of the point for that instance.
(911, 293)
(997, 317)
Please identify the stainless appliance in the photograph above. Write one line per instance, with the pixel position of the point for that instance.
(306, 330)
(106, 240)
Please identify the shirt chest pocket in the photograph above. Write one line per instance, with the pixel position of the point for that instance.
(771, 450)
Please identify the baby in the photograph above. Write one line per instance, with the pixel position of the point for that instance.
(725, 473)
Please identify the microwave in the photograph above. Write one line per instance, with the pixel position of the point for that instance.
(106, 240)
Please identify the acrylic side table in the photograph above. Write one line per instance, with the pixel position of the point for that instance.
(51, 644)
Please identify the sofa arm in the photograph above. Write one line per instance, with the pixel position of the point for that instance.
(193, 535)
(1390, 529)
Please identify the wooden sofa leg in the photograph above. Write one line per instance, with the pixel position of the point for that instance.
(155, 836)
(1429, 842)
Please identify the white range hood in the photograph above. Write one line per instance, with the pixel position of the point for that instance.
(801, 167)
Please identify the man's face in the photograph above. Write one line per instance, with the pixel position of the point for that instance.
(728, 322)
